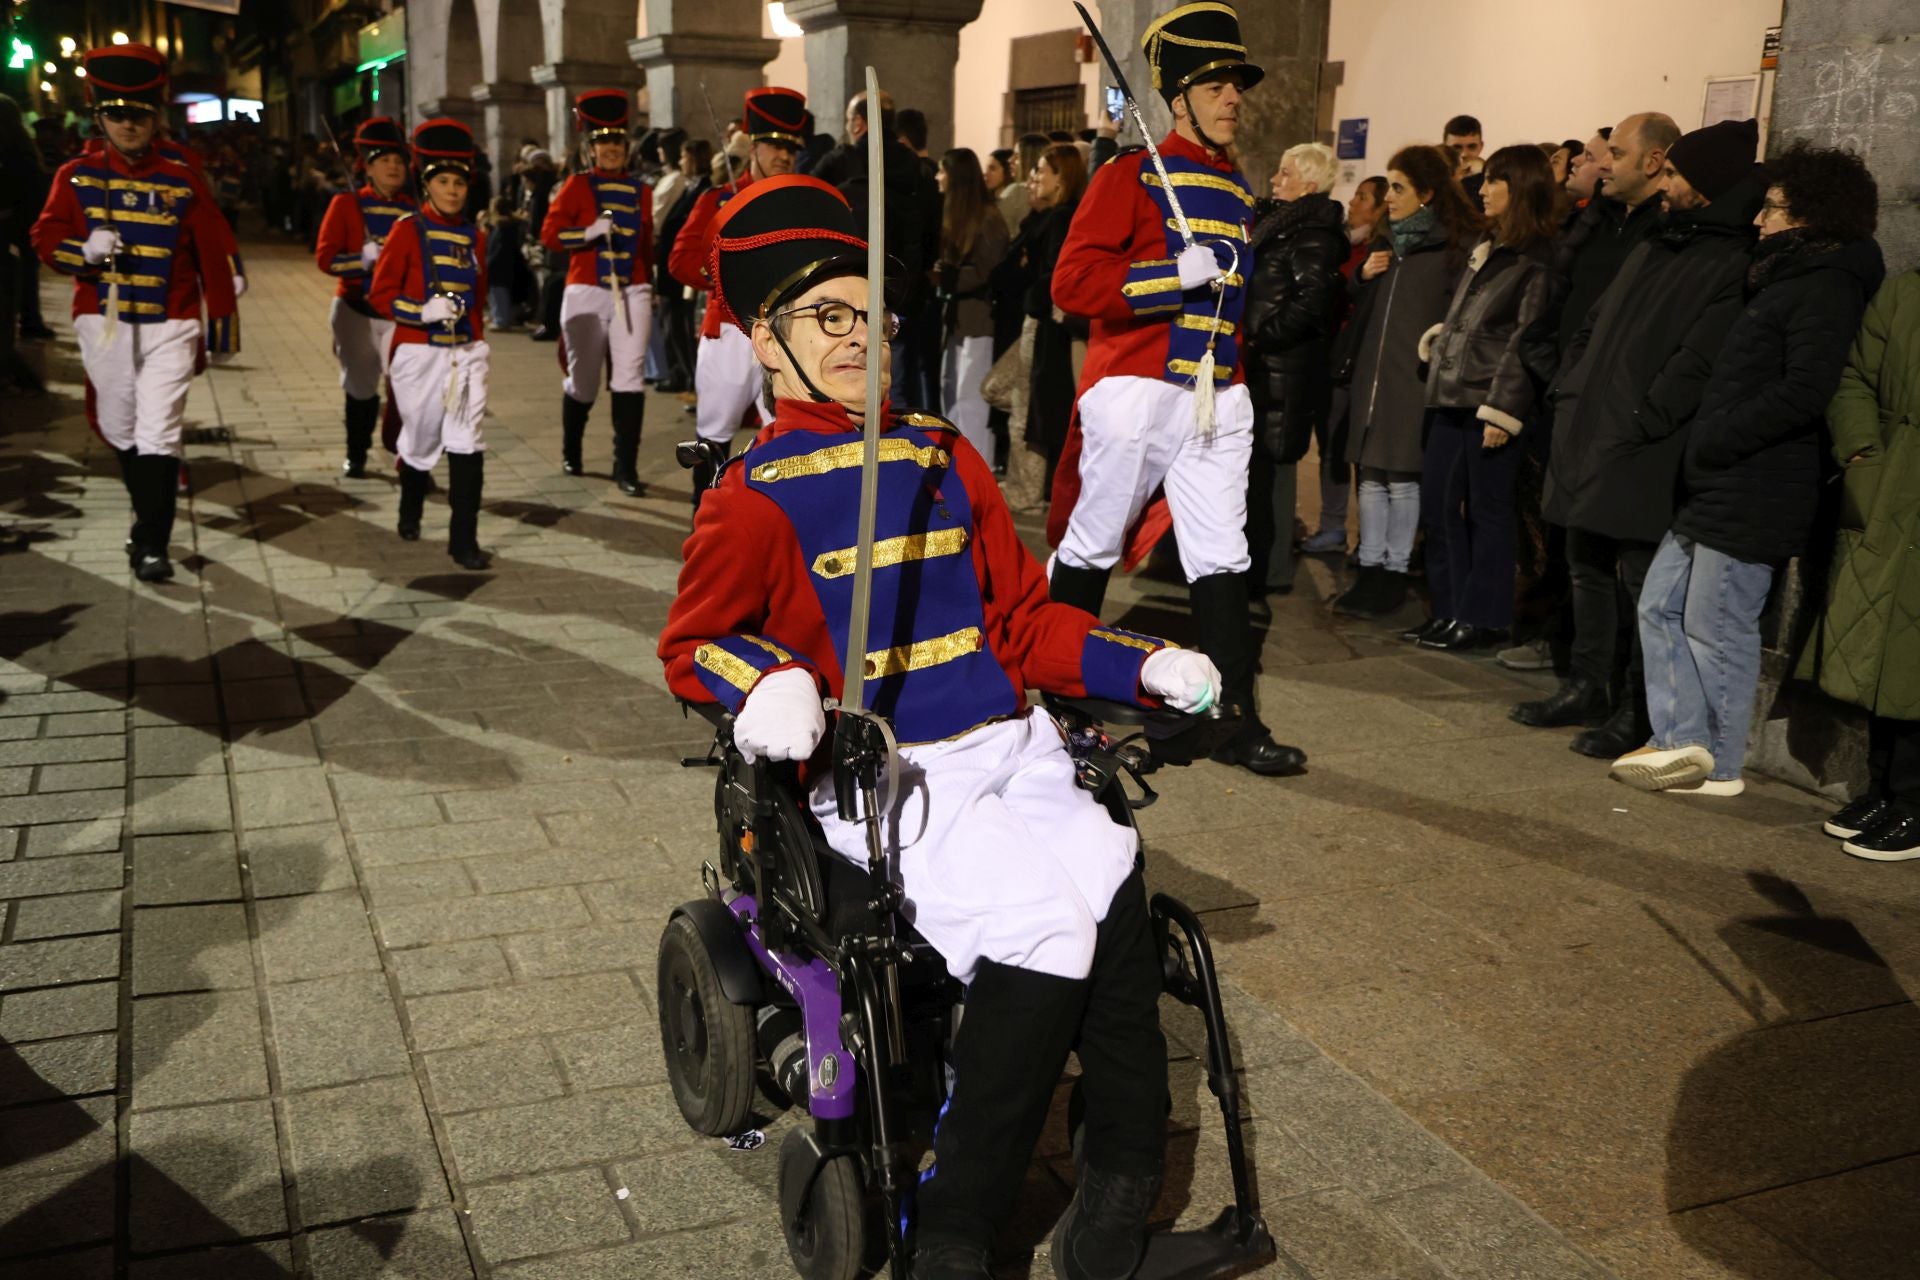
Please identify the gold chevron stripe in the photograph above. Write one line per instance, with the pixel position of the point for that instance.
(841, 456)
(737, 672)
(1212, 227)
(1155, 284)
(922, 654)
(1206, 324)
(1211, 181)
(889, 552)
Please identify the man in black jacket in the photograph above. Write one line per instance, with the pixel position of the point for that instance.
(1630, 383)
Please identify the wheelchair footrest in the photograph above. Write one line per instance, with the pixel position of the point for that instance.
(1234, 1244)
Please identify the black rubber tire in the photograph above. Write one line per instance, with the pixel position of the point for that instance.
(830, 1242)
(707, 1039)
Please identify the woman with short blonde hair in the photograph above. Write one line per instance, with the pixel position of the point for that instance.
(1315, 163)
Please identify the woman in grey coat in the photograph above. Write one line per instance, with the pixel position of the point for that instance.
(1406, 285)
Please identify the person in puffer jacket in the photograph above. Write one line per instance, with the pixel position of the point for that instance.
(1751, 471)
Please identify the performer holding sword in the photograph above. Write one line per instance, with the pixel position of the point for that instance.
(1157, 258)
(603, 219)
(842, 521)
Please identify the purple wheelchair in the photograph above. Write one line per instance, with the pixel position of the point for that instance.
(797, 964)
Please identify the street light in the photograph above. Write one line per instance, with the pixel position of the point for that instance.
(120, 37)
(783, 26)
(67, 46)
(81, 72)
(46, 87)
(48, 67)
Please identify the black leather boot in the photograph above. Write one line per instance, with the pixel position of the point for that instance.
(1103, 1233)
(137, 540)
(1626, 729)
(1226, 636)
(413, 500)
(466, 476)
(629, 412)
(157, 485)
(362, 415)
(573, 429)
(1576, 701)
(1081, 588)
(951, 1260)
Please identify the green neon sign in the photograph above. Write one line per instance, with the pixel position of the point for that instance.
(22, 55)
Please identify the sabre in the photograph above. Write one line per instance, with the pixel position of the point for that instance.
(853, 695)
(1133, 108)
(720, 136)
(613, 270)
(107, 329)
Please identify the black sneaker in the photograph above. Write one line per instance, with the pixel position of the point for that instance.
(1103, 1233)
(153, 568)
(1858, 818)
(950, 1260)
(1896, 839)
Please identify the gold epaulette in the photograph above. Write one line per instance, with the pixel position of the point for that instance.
(927, 421)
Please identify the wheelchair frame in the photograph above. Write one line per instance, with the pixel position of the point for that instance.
(765, 926)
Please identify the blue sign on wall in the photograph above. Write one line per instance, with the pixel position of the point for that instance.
(1353, 140)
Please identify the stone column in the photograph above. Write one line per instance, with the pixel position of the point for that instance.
(914, 44)
(510, 110)
(564, 81)
(454, 107)
(678, 65)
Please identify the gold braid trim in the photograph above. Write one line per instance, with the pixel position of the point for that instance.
(889, 552)
(922, 654)
(841, 456)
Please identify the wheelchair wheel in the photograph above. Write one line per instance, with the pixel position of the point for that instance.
(827, 1237)
(708, 1039)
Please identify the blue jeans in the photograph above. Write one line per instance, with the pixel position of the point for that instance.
(1700, 637)
(1389, 517)
(501, 296)
(1472, 531)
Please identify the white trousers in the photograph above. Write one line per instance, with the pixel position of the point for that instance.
(1001, 855)
(140, 379)
(598, 340)
(726, 378)
(441, 394)
(968, 360)
(360, 343)
(1138, 434)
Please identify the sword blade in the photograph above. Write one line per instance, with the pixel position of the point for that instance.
(720, 139)
(854, 687)
(1140, 122)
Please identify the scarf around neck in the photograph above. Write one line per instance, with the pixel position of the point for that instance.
(1412, 229)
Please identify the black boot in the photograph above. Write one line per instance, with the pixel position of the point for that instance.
(703, 477)
(362, 416)
(573, 429)
(157, 485)
(1226, 636)
(1103, 1233)
(629, 412)
(137, 539)
(1626, 729)
(1007, 1058)
(466, 476)
(1081, 588)
(413, 500)
(1576, 701)
(1353, 601)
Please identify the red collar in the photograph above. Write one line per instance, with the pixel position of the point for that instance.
(432, 214)
(598, 172)
(828, 419)
(398, 197)
(101, 150)
(1175, 145)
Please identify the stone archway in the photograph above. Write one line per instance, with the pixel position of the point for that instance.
(444, 69)
(512, 42)
(586, 41)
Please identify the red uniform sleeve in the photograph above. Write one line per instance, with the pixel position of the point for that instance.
(342, 232)
(738, 614)
(207, 238)
(694, 244)
(60, 232)
(399, 280)
(1113, 264)
(569, 214)
(477, 304)
(1052, 647)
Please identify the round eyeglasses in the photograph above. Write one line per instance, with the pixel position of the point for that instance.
(836, 319)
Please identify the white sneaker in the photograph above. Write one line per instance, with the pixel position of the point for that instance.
(1661, 768)
(1712, 787)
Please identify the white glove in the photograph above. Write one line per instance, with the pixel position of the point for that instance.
(101, 245)
(439, 307)
(1185, 678)
(598, 229)
(1198, 266)
(369, 254)
(239, 286)
(781, 719)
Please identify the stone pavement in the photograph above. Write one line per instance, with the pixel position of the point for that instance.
(332, 879)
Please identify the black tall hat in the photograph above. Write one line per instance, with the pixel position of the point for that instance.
(1197, 42)
(601, 114)
(440, 144)
(776, 115)
(378, 136)
(126, 75)
(777, 239)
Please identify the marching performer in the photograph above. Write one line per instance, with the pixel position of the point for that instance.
(603, 219)
(431, 281)
(146, 243)
(351, 235)
(1162, 404)
(726, 378)
(1016, 875)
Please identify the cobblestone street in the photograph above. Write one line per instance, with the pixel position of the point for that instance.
(332, 876)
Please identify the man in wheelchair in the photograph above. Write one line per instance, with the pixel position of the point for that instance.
(1016, 875)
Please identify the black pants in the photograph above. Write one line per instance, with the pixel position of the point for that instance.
(1893, 759)
(1598, 567)
(1467, 506)
(1008, 1056)
(676, 312)
(1272, 499)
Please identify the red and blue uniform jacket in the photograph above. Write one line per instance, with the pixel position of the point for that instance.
(426, 255)
(173, 241)
(693, 247)
(960, 626)
(627, 253)
(352, 220)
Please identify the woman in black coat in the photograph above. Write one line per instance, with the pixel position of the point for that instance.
(1751, 470)
(1060, 179)
(1294, 302)
(1487, 364)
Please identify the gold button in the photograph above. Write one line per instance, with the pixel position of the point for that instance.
(872, 669)
(769, 472)
(830, 566)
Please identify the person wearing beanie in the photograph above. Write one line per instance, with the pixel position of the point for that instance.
(1630, 385)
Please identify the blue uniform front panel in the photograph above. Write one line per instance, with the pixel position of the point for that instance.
(619, 201)
(928, 667)
(451, 266)
(379, 215)
(147, 213)
(1219, 208)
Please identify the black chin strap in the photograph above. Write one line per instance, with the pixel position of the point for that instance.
(798, 372)
(1193, 122)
